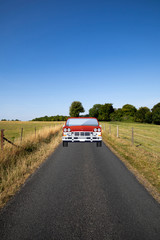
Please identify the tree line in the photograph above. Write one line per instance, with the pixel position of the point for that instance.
(106, 112)
(52, 118)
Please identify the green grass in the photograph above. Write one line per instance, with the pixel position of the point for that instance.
(13, 129)
(144, 155)
(145, 135)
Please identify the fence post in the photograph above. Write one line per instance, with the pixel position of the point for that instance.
(35, 132)
(2, 140)
(117, 131)
(132, 136)
(21, 134)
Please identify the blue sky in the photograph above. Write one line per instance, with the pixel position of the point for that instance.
(53, 52)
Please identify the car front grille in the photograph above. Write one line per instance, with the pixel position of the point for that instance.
(82, 133)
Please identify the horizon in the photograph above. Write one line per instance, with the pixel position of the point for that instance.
(95, 52)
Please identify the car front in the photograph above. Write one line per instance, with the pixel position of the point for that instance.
(82, 130)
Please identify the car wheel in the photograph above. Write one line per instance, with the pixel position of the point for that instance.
(65, 144)
(99, 144)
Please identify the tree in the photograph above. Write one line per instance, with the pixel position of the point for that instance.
(148, 117)
(156, 114)
(128, 112)
(140, 115)
(105, 111)
(94, 111)
(75, 109)
(117, 115)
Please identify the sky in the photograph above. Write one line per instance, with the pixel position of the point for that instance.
(54, 52)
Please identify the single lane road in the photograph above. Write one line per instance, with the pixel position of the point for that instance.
(81, 192)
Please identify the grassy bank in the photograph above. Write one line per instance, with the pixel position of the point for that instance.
(143, 156)
(13, 128)
(18, 163)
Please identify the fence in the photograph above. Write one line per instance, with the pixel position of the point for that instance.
(138, 135)
(4, 139)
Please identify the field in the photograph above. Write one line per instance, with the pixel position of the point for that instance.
(17, 163)
(142, 152)
(13, 128)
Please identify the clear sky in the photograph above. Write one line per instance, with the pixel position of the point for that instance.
(53, 52)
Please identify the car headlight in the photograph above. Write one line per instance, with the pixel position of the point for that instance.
(69, 129)
(95, 129)
(65, 130)
(99, 129)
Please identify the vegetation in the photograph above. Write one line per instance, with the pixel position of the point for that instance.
(17, 163)
(128, 113)
(144, 155)
(140, 115)
(156, 113)
(95, 110)
(75, 109)
(13, 129)
(51, 118)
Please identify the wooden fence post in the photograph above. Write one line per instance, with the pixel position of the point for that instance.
(132, 136)
(117, 131)
(2, 140)
(21, 134)
(35, 132)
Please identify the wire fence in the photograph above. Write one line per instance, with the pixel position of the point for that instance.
(5, 135)
(138, 135)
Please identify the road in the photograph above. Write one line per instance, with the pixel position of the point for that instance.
(81, 192)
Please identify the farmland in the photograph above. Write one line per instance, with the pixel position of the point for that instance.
(13, 128)
(18, 162)
(142, 152)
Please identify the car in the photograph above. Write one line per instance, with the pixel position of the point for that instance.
(82, 129)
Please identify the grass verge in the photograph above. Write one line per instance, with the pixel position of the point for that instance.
(145, 165)
(17, 164)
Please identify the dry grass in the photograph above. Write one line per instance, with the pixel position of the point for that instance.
(13, 128)
(143, 158)
(17, 164)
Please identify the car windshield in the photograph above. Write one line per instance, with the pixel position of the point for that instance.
(82, 122)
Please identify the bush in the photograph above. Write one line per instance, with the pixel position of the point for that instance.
(140, 115)
(148, 117)
(156, 114)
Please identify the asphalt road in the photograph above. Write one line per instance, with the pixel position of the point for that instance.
(81, 192)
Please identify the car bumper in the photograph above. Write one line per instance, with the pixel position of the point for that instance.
(82, 139)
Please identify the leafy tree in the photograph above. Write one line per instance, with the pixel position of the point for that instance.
(94, 111)
(117, 115)
(156, 113)
(105, 112)
(75, 109)
(148, 117)
(129, 110)
(140, 115)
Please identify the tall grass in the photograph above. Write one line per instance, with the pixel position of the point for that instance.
(143, 156)
(17, 163)
(13, 128)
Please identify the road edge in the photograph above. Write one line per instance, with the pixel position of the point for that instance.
(141, 179)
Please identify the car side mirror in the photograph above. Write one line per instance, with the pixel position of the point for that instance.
(100, 125)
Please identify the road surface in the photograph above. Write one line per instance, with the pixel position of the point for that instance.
(81, 192)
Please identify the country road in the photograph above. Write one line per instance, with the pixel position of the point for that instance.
(81, 192)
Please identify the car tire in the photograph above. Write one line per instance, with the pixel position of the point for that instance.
(65, 144)
(99, 144)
